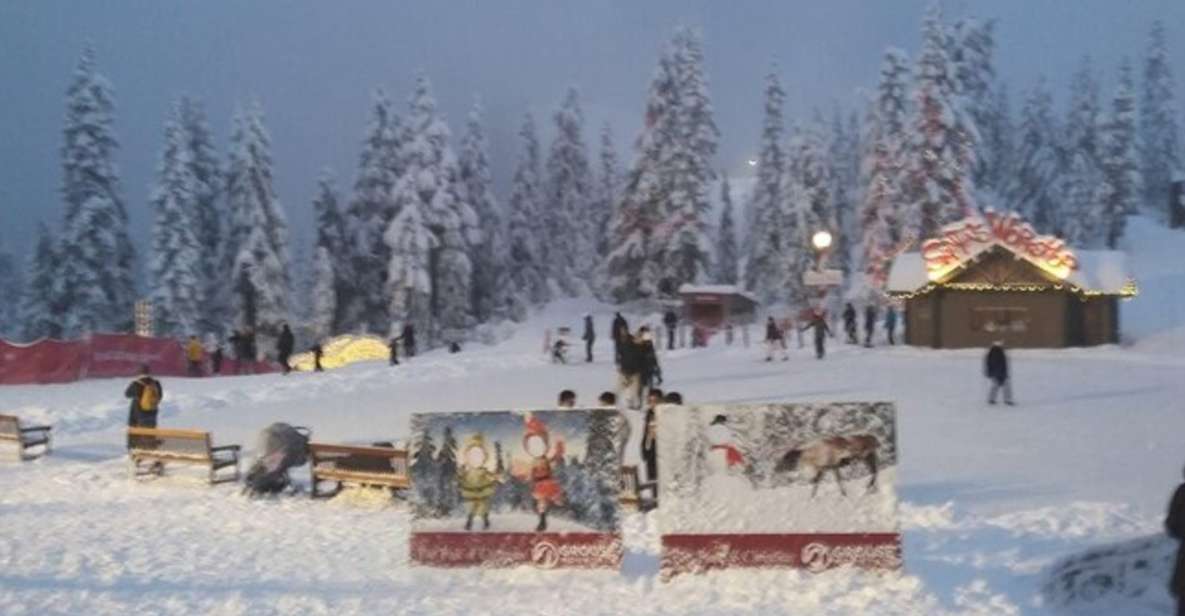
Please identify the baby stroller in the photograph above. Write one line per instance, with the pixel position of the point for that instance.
(281, 447)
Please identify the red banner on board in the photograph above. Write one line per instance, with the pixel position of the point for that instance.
(810, 551)
(47, 361)
(114, 355)
(543, 550)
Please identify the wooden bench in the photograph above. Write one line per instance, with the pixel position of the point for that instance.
(161, 446)
(24, 438)
(642, 496)
(384, 467)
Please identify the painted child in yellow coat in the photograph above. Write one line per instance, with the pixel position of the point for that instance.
(477, 482)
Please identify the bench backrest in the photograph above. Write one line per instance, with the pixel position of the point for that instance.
(10, 427)
(362, 459)
(193, 443)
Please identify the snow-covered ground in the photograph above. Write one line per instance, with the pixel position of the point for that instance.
(990, 496)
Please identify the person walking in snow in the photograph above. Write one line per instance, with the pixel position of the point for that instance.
(629, 372)
(849, 323)
(671, 321)
(995, 367)
(216, 359)
(284, 348)
(590, 336)
(409, 341)
(890, 323)
(650, 434)
(651, 371)
(869, 323)
(1174, 525)
(393, 351)
(818, 322)
(145, 394)
(194, 355)
(775, 340)
(620, 330)
(318, 352)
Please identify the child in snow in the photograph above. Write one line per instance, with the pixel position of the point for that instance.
(477, 482)
(567, 399)
(545, 489)
(775, 340)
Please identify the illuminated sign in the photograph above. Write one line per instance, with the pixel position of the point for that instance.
(961, 241)
(344, 350)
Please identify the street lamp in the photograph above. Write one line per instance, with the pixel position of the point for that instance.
(821, 240)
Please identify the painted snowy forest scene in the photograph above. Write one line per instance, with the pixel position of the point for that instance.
(752, 469)
(592, 305)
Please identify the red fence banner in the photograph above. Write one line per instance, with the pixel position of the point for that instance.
(543, 550)
(113, 355)
(814, 552)
(46, 361)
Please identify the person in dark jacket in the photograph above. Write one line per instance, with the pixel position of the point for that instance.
(629, 372)
(393, 347)
(216, 359)
(995, 367)
(1174, 525)
(318, 352)
(284, 348)
(651, 372)
(620, 330)
(671, 321)
(775, 340)
(818, 322)
(849, 323)
(869, 323)
(409, 341)
(590, 336)
(890, 323)
(650, 435)
(238, 346)
(144, 405)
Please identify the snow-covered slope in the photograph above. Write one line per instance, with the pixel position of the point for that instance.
(990, 496)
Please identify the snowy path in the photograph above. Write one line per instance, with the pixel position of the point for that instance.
(990, 495)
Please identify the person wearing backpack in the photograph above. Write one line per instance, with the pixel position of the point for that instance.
(145, 393)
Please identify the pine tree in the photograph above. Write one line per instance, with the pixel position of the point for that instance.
(1035, 175)
(364, 305)
(1081, 189)
(844, 161)
(975, 77)
(768, 239)
(726, 241)
(97, 258)
(423, 471)
(446, 467)
(431, 181)
(999, 141)
(409, 282)
(176, 265)
(567, 213)
(11, 288)
(1121, 189)
(606, 192)
(208, 216)
(526, 268)
(489, 256)
(939, 153)
(328, 289)
(807, 184)
(40, 306)
(1161, 150)
(256, 251)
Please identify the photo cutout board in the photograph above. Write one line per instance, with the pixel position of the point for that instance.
(779, 485)
(511, 488)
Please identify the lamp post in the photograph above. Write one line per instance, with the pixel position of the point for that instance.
(822, 242)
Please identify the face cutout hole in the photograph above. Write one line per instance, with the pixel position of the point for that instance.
(536, 446)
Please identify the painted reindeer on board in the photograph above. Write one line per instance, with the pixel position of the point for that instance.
(831, 454)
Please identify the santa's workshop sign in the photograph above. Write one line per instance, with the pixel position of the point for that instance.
(782, 485)
(511, 488)
(961, 241)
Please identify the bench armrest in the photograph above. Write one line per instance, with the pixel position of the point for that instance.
(37, 429)
(226, 448)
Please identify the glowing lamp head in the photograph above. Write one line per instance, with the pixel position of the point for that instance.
(752, 162)
(821, 240)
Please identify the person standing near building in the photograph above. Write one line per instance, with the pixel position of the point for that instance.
(869, 323)
(590, 336)
(890, 323)
(671, 321)
(284, 348)
(145, 394)
(995, 367)
(194, 355)
(1174, 525)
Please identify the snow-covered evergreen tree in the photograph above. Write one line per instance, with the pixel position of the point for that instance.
(726, 238)
(176, 264)
(567, 212)
(1082, 189)
(807, 184)
(12, 289)
(431, 180)
(844, 161)
(448, 492)
(884, 142)
(364, 303)
(939, 153)
(768, 237)
(1159, 130)
(489, 256)
(526, 269)
(96, 255)
(975, 78)
(606, 192)
(998, 141)
(409, 282)
(1083, 117)
(1122, 182)
(1035, 173)
(208, 215)
(330, 260)
(40, 306)
(256, 249)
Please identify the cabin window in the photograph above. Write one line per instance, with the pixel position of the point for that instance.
(999, 320)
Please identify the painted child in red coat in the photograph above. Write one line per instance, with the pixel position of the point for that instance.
(545, 488)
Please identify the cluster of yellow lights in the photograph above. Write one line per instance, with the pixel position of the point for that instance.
(344, 350)
(1129, 289)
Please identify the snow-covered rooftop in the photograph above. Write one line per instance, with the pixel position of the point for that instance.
(1099, 271)
(720, 289)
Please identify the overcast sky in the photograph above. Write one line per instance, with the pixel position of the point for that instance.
(314, 66)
